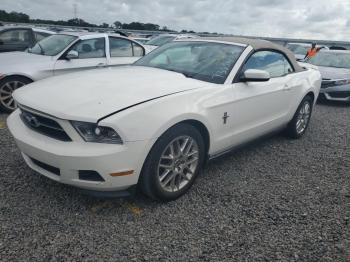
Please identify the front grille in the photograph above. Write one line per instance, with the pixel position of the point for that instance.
(44, 125)
(339, 94)
(51, 169)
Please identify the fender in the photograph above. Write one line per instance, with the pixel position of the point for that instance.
(125, 108)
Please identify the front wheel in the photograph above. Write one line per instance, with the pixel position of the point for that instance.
(7, 87)
(300, 122)
(173, 163)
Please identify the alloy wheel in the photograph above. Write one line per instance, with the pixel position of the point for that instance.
(6, 91)
(303, 117)
(178, 163)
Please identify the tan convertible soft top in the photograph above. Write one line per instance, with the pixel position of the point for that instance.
(258, 44)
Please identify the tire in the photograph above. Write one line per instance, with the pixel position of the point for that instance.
(178, 171)
(298, 125)
(7, 86)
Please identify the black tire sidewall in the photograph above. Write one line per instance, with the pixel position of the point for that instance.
(149, 177)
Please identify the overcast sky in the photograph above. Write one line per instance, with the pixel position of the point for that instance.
(318, 19)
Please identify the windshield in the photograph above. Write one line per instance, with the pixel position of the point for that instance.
(52, 45)
(298, 49)
(206, 61)
(328, 59)
(161, 40)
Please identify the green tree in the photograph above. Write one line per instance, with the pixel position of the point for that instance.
(118, 24)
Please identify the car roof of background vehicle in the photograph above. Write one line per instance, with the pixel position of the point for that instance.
(256, 44)
(5, 27)
(179, 35)
(306, 44)
(40, 30)
(90, 35)
(334, 51)
(81, 33)
(301, 44)
(186, 36)
(27, 27)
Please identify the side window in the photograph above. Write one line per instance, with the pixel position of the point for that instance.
(120, 47)
(16, 36)
(273, 62)
(40, 36)
(90, 48)
(137, 50)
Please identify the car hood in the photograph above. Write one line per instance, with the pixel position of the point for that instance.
(94, 94)
(13, 61)
(334, 73)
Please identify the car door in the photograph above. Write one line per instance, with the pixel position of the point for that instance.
(15, 40)
(123, 51)
(262, 106)
(91, 54)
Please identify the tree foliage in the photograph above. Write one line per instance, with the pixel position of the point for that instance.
(14, 17)
(24, 18)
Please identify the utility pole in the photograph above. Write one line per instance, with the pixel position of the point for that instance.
(75, 11)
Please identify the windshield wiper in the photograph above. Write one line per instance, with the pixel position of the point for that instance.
(188, 75)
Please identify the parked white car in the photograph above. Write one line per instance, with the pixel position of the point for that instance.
(155, 122)
(164, 39)
(63, 53)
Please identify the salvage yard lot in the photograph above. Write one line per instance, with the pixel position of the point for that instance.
(277, 199)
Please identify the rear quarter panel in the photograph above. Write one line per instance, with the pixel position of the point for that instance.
(308, 81)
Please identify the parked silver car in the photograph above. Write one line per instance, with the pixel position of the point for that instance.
(334, 66)
(63, 53)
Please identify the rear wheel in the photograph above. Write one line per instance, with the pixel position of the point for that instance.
(173, 163)
(300, 122)
(7, 87)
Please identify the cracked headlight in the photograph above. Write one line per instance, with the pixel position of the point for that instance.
(91, 132)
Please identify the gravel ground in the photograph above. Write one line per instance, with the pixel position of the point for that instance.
(278, 199)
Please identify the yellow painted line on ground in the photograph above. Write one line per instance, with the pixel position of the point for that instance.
(100, 206)
(2, 125)
(134, 209)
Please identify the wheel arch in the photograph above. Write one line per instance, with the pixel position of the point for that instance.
(202, 129)
(17, 75)
(196, 123)
(312, 95)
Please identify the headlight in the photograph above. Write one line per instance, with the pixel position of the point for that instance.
(91, 132)
(342, 82)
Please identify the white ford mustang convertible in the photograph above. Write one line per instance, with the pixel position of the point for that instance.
(156, 122)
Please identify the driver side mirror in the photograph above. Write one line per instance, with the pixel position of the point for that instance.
(255, 75)
(72, 54)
